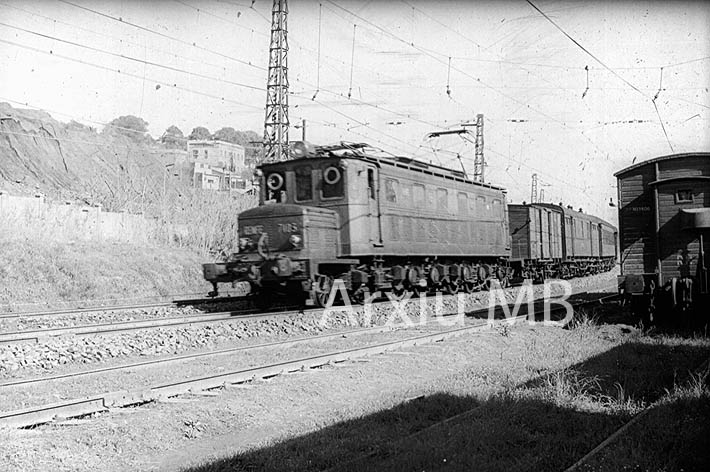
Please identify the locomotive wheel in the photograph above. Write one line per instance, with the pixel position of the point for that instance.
(321, 291)
(264, 299)
(295, 293)
(358, 296)
(398, 290)
(452, 287)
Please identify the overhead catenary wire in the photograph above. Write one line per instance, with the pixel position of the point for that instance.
(163, 35)
(134, 59)
(663, 127)
(128, 74)
(121, 40)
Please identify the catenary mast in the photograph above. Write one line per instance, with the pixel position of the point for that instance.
(276, 123)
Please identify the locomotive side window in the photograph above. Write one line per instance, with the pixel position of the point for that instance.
(418, 192)
(304, 183)
(442, 199)
(431, 199)
(332, 182)
(391, 190)
(371, 189)
(684, 196)
(496, 208)
(405, 194)
(463, 203)
(480, 205)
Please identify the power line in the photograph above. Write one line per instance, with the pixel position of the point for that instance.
(163, 35)
(443, 62)
(585, 49)
(134, 59)
(118, 71)
(120, 40)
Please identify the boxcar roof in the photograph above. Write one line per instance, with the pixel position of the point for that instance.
(356, 151)
(568, 211)
(662, 158)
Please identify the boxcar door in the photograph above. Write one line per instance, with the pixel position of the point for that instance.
(373, 199)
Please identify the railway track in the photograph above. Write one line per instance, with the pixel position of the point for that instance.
(102, 402)
(624, 428)
(38, 335)
(98, 309)
(35, 336)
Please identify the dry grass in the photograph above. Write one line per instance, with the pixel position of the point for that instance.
(36, 274)
(545, 422)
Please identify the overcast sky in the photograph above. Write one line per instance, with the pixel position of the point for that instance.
(507, 61)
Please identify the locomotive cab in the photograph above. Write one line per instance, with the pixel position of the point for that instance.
(289, 242)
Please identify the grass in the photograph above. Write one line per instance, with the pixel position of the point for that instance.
(52, 274)
(556, 412)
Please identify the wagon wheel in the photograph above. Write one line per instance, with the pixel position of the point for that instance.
(321, 291)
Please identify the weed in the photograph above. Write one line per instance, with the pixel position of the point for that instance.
(583, 320)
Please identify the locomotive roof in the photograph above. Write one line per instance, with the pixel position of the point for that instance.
(365, 152)
(662, 158)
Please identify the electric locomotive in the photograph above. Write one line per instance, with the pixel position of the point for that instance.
(376, 222)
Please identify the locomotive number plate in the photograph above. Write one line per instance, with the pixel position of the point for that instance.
(242, 289)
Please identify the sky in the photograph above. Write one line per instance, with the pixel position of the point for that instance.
(570, 91)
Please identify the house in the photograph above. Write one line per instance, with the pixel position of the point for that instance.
(217, 165)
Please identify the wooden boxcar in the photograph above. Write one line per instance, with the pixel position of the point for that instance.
(664, 223)
(550, 240)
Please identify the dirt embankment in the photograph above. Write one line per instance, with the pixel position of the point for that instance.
(75, 162)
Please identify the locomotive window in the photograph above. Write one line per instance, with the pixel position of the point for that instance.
(684, 196)
(442, 199)
(480, 205)
(463, 203)
(496, 207)
(391, 190)
(418, 196)
(304, 183)
(431, 198)
(406, 194)
(371, 189)
(332, 182)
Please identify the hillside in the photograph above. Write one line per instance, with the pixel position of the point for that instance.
(71, 161)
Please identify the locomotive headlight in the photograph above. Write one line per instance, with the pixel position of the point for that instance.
(295, 240)
(243, 243)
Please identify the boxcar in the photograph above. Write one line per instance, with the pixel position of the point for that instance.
(550, 240)
(664, 223)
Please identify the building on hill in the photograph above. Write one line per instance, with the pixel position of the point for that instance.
(217, 165)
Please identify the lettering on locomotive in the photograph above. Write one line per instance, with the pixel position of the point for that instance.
(256, 229)
(288, 227)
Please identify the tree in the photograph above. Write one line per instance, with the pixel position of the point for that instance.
(228, 134)
(129, 126)
(173, 138)
(200, 133)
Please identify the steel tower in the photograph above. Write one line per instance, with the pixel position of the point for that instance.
(276, 123)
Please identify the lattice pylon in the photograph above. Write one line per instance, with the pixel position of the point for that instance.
(276, 123)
